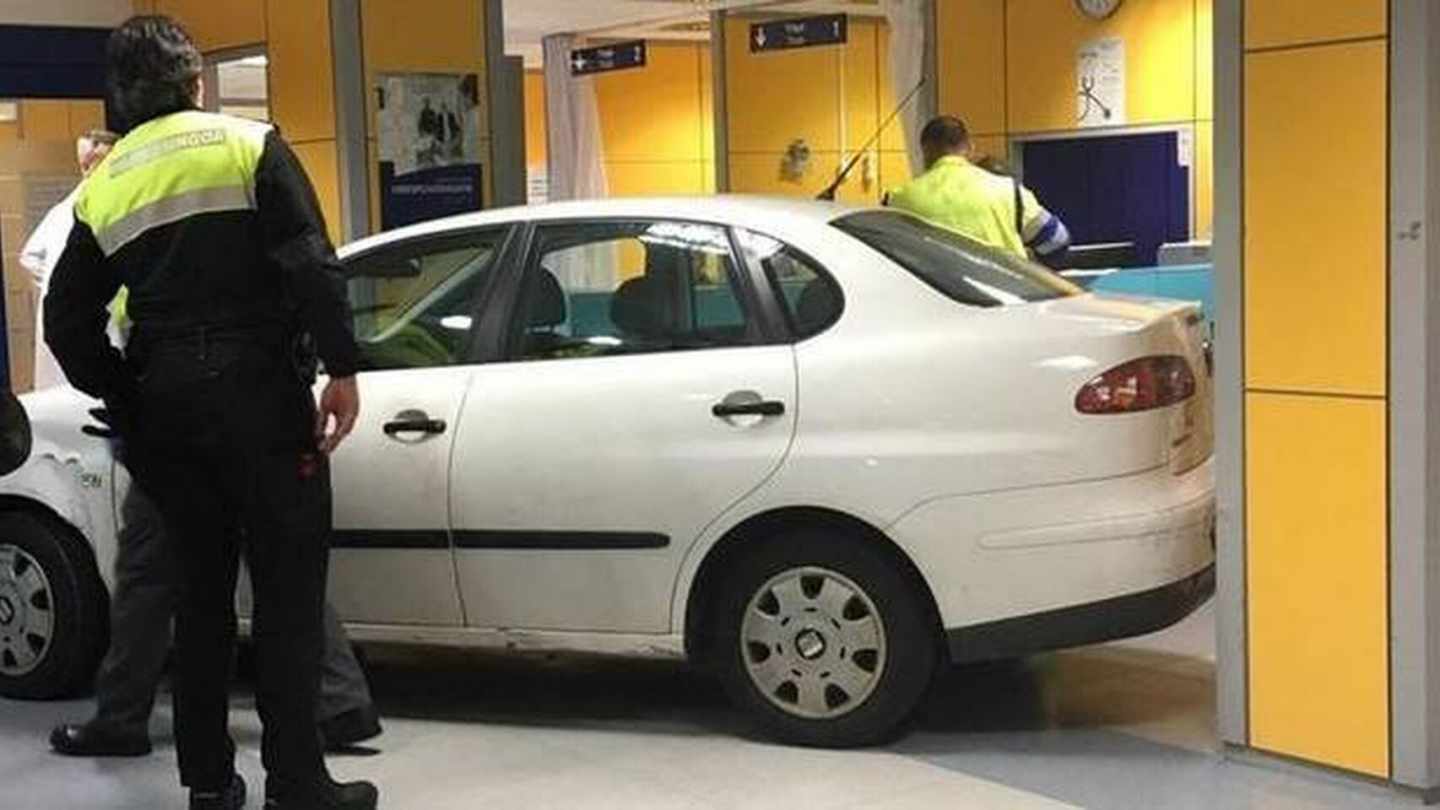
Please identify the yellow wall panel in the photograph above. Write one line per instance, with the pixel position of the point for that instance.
(45, 120)
(971, 57)
(9, 131)
(759, 173)
(996, 146)
(1316, 562)
(320, 161)
(1205, 59)
(1315, 209)
(448, 36)
(894, 171)
(707, 103)
(218, 24)
(1270, 23)
(668, 125)
(1043, 37)
(806, 79)
(85, 115)
(302, 84)
(647, 178)
(861, 102)
(1204, 172)
(535, 127)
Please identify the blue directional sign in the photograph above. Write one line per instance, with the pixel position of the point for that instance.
(605, 58)
(800, 32)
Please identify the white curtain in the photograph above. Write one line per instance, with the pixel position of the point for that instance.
(908, 49)
(577, 167)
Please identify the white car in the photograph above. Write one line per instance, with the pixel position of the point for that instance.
(822, 451)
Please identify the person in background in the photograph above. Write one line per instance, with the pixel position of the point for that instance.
(144, 599)
(42, 250)
(991, 208)
(212, 225)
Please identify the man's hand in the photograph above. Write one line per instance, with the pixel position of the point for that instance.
(341, 400)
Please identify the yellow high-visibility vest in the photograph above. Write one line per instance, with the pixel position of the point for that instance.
(965, 198)
(170, 168)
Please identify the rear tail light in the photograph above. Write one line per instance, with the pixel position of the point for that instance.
(1139, 385)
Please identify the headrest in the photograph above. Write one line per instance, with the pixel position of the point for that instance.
(816, 306)
(640, 308)
(547, 303)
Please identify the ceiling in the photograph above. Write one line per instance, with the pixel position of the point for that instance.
(527, 22)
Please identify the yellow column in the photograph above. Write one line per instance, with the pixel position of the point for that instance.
(1315, 268)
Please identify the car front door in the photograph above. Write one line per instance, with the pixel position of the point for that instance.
(645, 393)
(415, 308)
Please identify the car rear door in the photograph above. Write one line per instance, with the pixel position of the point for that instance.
(416, 307)
(645, 392)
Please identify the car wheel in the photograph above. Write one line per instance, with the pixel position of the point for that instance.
(53, 609)
(825, 638)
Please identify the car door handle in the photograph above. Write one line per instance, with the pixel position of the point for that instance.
(767, 407)
(408, 423)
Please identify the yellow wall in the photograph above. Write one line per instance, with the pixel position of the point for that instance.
(39, 145)
(536, 145)
(831, 97)
(1315, 350)
(1007, 67)
(663, 145)
(449, 37)
(296, 37)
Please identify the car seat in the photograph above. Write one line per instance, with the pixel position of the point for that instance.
(641, 312)
(546, 309)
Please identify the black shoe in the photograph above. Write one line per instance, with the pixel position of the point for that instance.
(327, 795)
(345, 730)
(231, 798)
(90, 740)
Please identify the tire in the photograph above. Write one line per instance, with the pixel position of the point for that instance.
(54, 614)
(825, 639)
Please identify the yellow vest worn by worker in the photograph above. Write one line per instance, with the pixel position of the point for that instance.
(963, 197)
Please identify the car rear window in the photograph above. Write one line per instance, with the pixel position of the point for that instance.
(960, 267)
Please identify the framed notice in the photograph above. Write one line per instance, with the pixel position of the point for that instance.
(429, 139)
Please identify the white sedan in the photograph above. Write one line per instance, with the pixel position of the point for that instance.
(821, 451)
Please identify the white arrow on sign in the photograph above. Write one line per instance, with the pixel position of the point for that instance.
(578, 63)
(760, 39)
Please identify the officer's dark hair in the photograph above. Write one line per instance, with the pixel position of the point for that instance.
(945, 134)
(153, 70)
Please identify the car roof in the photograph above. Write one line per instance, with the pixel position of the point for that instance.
(745, 210)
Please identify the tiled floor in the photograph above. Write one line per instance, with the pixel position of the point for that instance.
(1120, 726)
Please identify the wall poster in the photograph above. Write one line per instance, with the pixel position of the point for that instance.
(1100, 71)
(429, 139)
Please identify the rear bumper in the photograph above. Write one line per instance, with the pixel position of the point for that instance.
(1121, 617)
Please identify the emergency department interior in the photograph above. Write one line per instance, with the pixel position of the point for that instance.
(677, 486)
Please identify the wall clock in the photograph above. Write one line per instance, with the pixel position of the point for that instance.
(1098, 9)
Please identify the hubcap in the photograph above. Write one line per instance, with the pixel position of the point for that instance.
(27, 618)
(813, 643)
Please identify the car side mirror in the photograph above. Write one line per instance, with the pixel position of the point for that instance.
(15, 434)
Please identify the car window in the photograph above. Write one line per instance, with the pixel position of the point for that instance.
(961, 268)
(606, 288)
(811, 298)
(414, 306)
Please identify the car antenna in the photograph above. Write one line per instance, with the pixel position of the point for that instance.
(829, 193)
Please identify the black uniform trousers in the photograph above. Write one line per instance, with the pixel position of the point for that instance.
(223, 439)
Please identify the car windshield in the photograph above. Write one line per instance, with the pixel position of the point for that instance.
(961, 268)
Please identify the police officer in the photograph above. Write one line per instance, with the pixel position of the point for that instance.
(985, 206)
(211, 224)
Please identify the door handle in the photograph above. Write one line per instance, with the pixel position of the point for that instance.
(414, 422)
(724, 410)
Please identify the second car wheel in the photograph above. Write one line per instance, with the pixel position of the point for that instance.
(52, 609)
(825, 637)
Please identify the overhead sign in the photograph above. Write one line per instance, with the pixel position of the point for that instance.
(605, 58)
(801, 32)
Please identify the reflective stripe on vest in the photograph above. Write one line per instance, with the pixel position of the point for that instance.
(169, 169)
